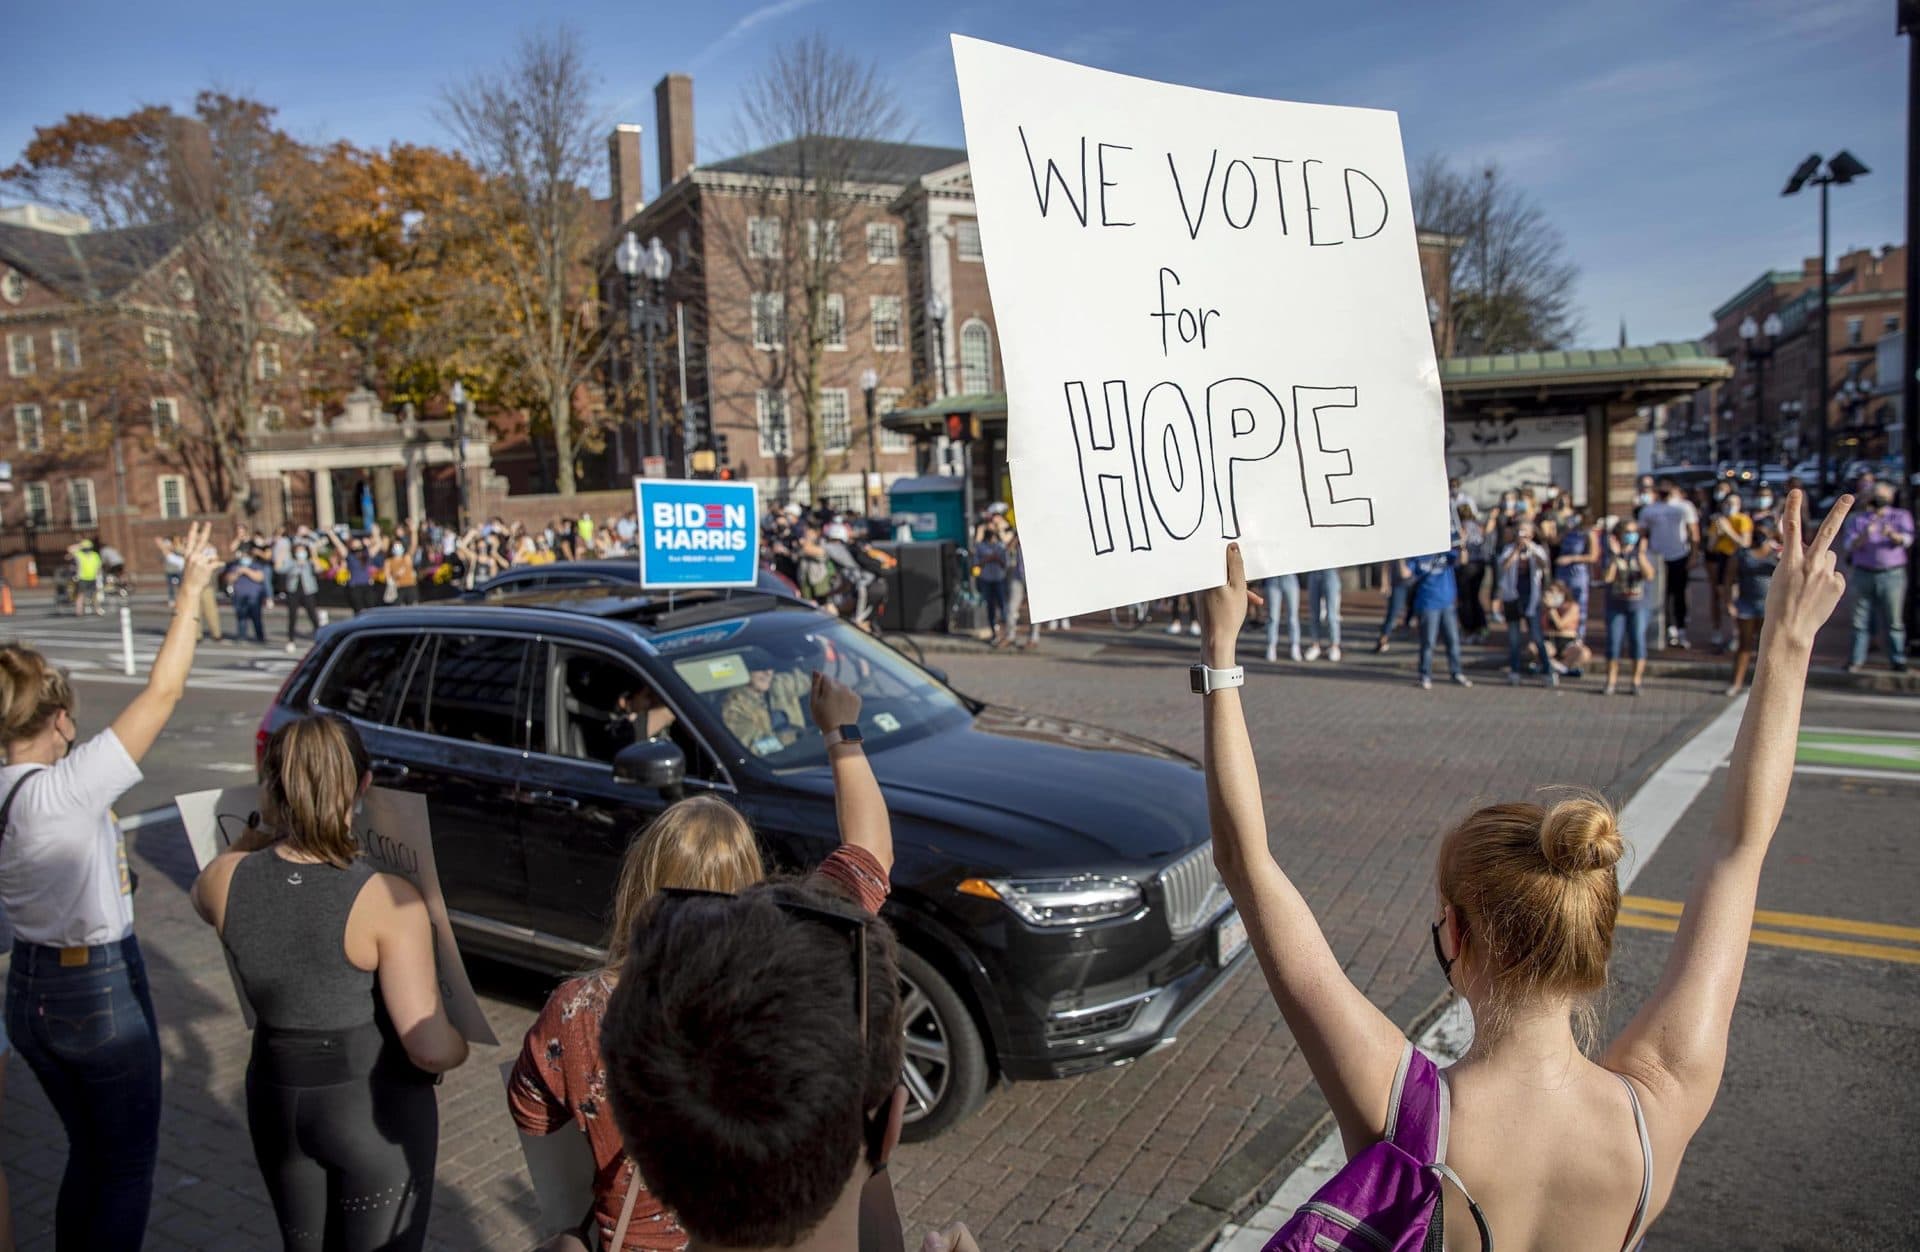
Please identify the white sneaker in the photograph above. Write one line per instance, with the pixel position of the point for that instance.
(1333, 653)
(1296, 651)
(292, 647)
(1193, 628)
(1313, 652)
(1426, 684)
(1173, 628)
(1461, 680)
(1273, 653)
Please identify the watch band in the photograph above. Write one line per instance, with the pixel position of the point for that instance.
(1204, 679)
(843, 734)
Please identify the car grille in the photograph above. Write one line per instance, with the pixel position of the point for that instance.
(1103, 1022)
(1193, 891)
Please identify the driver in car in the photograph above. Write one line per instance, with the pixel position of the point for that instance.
(640, 716)
(768, 713)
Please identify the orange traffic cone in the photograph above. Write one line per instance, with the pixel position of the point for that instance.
(6, 600)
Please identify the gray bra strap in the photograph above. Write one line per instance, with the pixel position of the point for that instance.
(1646, 1164)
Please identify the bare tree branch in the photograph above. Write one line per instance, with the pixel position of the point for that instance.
(1512, 286)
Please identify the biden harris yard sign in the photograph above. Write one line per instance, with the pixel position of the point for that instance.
(1213, 324)
(698, 533)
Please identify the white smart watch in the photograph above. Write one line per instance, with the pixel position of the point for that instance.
(1203, 679)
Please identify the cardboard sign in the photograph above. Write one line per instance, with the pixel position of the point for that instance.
(394, 836)
(698, 532)
(1213, 325)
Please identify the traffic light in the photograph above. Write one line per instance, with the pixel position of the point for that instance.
(726, 474)
(720, 446)
(962, 427)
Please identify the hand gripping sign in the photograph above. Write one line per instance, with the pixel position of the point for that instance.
(394, 836)
(1213, 324)
(698, 532)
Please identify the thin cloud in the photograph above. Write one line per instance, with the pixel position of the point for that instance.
(759, 17)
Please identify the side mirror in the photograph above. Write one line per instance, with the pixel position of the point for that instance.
(659, 766)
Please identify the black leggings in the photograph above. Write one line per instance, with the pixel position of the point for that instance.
(297, 603)
(346, 1131)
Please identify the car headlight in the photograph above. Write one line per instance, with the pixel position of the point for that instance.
(1060, 901)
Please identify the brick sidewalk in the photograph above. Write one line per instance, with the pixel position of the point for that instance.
(1362, 771)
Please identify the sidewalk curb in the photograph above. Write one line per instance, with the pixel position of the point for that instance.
(1247, 1179)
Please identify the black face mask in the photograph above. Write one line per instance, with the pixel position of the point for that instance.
(66, 738)
(1440, 955)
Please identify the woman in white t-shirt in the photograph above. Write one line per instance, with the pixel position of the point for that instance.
(78, 1009)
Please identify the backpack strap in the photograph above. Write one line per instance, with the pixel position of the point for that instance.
(6, 806)
(1417, 1123)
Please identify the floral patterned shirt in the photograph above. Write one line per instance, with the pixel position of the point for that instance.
(560, 1079)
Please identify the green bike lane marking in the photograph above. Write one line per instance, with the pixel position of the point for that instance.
(1895, 751)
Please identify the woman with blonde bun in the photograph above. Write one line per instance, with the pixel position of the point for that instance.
(1551, 1148)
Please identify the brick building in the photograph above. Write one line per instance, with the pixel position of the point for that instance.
(94, 394)
(1771, 401)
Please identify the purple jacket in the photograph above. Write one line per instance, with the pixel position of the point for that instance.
(1878, 539)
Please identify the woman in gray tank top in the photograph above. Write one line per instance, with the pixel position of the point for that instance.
(336, 961)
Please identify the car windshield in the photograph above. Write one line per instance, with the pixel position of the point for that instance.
(755, 674)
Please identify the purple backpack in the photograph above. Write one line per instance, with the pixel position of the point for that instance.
(1387, 1199)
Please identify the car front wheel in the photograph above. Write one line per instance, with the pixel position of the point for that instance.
(944, 1068)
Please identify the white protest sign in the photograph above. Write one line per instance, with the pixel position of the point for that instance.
(213, 820)
(394, 836)
(1213, 325)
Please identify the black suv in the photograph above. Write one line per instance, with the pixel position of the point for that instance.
(1054, 889)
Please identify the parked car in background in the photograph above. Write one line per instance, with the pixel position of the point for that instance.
(607, 572)
(1054, 890)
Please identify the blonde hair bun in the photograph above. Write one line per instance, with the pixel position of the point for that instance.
(1580, 835)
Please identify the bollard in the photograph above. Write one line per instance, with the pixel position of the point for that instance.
(126, 639)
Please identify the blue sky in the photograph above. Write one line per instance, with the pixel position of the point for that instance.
(1656, 133)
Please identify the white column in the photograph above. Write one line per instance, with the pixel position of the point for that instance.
(416, 493)
(323, 498)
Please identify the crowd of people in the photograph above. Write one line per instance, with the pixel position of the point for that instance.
(733, 1060)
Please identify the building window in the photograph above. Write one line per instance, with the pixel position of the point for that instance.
(38, 502)
(66, 349)
(769, 319)
(830, 232)
(173, 497)
(80, 502)
(883, 243)
(770, 411)
(13, 287)
(1890, 324)
(836, 425)
(976, 359)
(966, 240)
(73, 417)
(886, 323)
(273, 418)
(1856, 328)
(20, 355)
(166, 415)
(885, 401)
(268, 366)
(833, 320)
(763, 238)
(29, 431)
(159, 347)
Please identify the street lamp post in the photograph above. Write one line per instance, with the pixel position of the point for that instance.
(1842, 169)
(869, 380)
(646, 322)
(937, 314)
(1758, 354)
(459, 397)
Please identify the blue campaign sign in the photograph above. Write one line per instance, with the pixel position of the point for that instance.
(698, 532)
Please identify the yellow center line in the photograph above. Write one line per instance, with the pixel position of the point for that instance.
(1787, 939)
(1796, 921)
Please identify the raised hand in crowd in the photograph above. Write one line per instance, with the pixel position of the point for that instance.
(861, 808)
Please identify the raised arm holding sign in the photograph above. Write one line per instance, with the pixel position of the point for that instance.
(1214, 328)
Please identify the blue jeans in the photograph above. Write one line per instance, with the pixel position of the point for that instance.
(88, 1034)
(1284, 588)
(1396, 608)
(1518, 619)
(1627, 622)
(1323, 589)
(1879, 599)
(248, 611)
(1434, 624)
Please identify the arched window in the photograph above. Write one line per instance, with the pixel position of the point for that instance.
(976, 359)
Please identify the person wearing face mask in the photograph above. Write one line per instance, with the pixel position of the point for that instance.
(1629, 569)
(78, 1007)
(1523, 573)
(403, 577)
(1878, 544)
(1729, 531)
(1763, 504)
(302, 584)
(247, 587)
(1753, 578)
